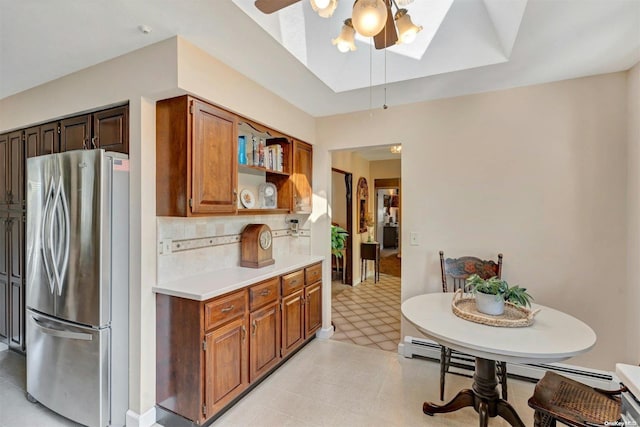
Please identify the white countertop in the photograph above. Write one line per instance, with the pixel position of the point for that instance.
(216, 283)
(554, 335)
(630, 376)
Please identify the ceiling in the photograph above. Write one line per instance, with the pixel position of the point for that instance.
(479, 45)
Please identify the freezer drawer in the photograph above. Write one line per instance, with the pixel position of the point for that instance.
(68, 369)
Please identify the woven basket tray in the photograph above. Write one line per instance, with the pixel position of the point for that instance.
(514, 316)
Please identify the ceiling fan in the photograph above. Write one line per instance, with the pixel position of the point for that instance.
(370, 18)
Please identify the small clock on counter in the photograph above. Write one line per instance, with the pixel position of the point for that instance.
(256, 246)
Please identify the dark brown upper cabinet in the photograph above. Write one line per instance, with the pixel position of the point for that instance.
(12, 160)
(75, 133)
(42, 140)
(111, 129)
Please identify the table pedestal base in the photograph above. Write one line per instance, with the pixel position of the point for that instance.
(483, 396)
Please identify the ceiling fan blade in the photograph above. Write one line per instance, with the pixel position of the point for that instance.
(270, 6)
(388, 36)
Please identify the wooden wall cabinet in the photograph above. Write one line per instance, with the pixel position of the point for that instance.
(111, 129)
(42, 140)
(196, 158)
(197, 163)
(302, 177)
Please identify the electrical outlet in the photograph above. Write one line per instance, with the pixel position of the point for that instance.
(165, 246)
(414, 238)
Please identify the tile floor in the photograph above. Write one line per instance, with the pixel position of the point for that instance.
(368, 314)
(328, 383)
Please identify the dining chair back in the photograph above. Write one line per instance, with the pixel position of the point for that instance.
(455, 272)
(558, 398)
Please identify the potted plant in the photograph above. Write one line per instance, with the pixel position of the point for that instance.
(493, 292)
(338, 240)
(338, 244)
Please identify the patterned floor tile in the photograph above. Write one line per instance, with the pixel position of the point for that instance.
(369, 314)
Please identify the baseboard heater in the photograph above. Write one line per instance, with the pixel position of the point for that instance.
(532, 372)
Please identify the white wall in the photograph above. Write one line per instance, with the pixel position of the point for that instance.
(538, 173)
(632, 312)
(166, 69)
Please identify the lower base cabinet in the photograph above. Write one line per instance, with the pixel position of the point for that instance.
(208, 353)
(225, 365)
(264, 340)
(292, 322)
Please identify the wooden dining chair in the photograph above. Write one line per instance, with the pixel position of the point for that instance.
(558, 398)
(455, 272)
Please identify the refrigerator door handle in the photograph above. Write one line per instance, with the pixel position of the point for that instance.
(60, 208)
(62, 334)
(47, 218)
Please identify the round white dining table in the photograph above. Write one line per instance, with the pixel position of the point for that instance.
(553, 336)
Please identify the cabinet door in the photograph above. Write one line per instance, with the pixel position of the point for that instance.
(42, 140)
(214, 170)
(4, 278)
(264, 341)
(15, 247)
(32, 141)
(111, 129)
(225, 365)
(49, 139)
(313, 308)
(16, 167)
(6, 166)
(75, 133)
(302, 173)
(292, 322)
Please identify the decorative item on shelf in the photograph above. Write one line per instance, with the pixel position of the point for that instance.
(242, 150)
(247, 199)
(268, 196)
(256, 246)
(492, 293)
(261, 148)
(255, 142)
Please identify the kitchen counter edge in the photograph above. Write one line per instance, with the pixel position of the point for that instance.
(215, 283)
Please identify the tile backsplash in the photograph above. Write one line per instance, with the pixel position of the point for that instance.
(200, 245)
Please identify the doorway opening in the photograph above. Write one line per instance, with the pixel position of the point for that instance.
(367, 310)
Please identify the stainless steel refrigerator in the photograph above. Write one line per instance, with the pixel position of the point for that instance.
(78, 285)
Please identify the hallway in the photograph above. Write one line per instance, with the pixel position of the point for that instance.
(368, 314)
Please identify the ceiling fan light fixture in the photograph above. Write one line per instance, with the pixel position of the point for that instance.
(324, 8)
(396, 149)
(369, 17)
(345, 42)
(407, 30)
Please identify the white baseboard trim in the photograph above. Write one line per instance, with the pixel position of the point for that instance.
(325, 333)
(3, 346)
(141, 420)
(413, 346)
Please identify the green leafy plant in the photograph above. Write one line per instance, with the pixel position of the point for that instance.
(338, 240)
(500, 288)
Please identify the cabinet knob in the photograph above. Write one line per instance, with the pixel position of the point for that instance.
(254, 325)
(265, 292)
(227, 309)
(244, 333)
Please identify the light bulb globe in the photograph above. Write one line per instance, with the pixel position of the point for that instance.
(369, 17)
